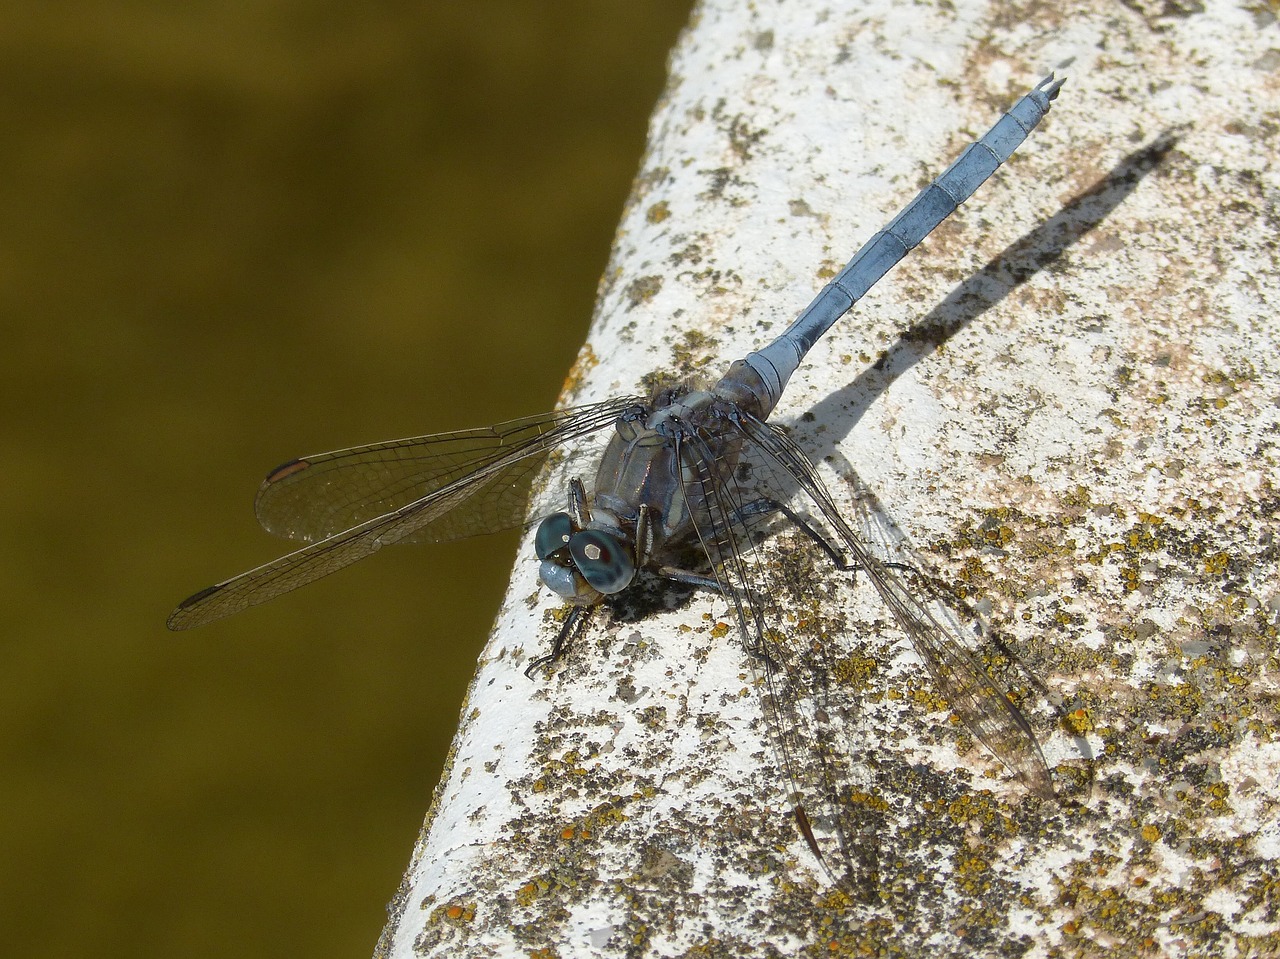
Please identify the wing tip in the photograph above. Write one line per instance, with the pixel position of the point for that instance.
(1041, 783)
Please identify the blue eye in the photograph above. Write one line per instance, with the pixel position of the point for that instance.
(553, 535)
(603, 562)
(561, 579)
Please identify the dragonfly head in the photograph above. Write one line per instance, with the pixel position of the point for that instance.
(582, 565)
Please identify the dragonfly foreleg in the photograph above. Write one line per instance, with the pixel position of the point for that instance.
(576, 620)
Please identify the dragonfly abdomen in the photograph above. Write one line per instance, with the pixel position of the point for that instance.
(776, 362)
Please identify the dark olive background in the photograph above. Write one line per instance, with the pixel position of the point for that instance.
(232, 233)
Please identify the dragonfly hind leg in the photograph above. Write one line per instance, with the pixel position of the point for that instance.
(833, 553)
(765, 506)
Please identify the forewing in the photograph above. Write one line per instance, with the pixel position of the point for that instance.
(316, 497)
(482, 487)
(932, 624)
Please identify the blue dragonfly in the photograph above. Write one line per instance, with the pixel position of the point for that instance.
(689, 484)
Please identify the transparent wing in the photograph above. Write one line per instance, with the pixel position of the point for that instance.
(428, 488)
(794, 674)
(931, 624)
(315, 497)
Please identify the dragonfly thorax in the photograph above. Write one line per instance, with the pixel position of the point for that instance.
(648, 490)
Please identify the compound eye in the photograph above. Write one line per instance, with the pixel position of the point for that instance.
(563, 579)
(553, 536)
(604, 562)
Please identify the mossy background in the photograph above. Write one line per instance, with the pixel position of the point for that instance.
(231, 234)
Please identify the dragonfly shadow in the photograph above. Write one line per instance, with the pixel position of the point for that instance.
(1037, 250)
(650, 595)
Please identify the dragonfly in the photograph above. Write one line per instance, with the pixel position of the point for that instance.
(690, 483)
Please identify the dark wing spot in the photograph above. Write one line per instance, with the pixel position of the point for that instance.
(285, 470)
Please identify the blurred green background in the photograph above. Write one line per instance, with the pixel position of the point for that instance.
(233, 233)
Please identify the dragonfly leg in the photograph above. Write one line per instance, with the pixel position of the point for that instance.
(837, 558)
(704, 581)
(756, 648)
(577, 618)
(578, 503)
(765, 506)
(690, 578)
